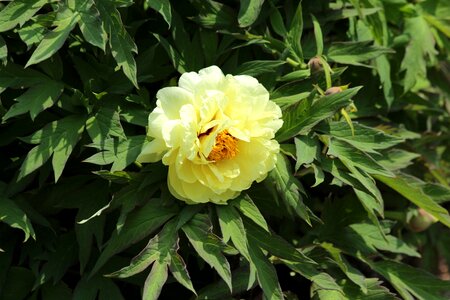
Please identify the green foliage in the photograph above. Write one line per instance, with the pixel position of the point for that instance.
(365, 148)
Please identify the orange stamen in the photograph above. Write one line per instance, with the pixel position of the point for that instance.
(224, 148)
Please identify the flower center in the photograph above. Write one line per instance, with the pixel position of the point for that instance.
(224, 148)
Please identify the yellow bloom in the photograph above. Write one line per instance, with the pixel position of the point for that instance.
(215, 133)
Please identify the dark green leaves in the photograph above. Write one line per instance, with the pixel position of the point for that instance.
(11, 214)
(56, 139)
(249, 11)
(18, 12)
(66, 19)
(355, 53)
(299, 119)
(289, 188)
(208, 246)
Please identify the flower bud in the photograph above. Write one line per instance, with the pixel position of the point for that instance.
(315, 65)
(333, 90)
(421, 221)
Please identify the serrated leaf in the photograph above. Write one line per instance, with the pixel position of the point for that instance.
(37, 99)
(364, 138)
(13, 215)
(249, 11)
(163, 8)
(288, 188)
(58, 139)
(409, 281)
(300, 121)
(208, 246)
(18, 12)
(139, 224)
(65, 21)
(354, 53)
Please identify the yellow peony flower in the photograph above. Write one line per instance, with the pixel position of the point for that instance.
(215, 133)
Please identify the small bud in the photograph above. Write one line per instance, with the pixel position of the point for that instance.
(421, 221)
(315, 65)
(333, 90)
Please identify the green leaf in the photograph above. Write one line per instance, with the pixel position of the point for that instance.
(179, 271)
(300, 121)
(246, 206)
(396, 159)
(3, 49)
(92, 27)
(175, 56)
(354, 157)
(57, 138)
(155, 281)
(249, 11)
(157, 249)
(416, 195)
(208, 246)
(65, 21)
(37, 99)
(219, 289)
(13, 215)
(354, 53)
(276, 245)
(367, 238)
(258, 67)
(18, 12)
(370, 199)
(307, 150)
(364, 138)
(318, 36)
(352, 273)
(163, 7)
(232, 227)
(214, 14)
(105, 124)
(419, 50)
(294, 35)
(411, 282)
(288, 188)
(139, 224)
(121, 154)
(18, 284)
(266, 273)
(121, 43)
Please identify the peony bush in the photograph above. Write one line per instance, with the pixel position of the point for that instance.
(250, 149)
